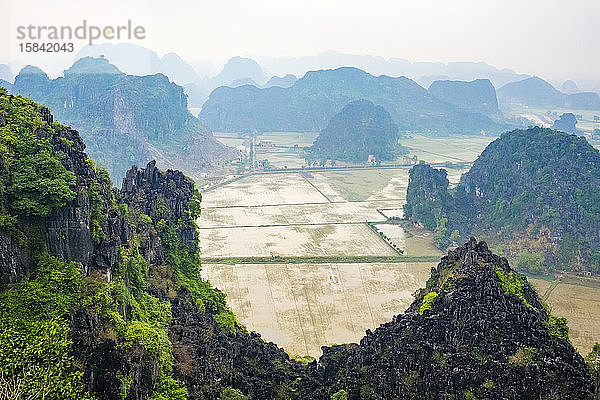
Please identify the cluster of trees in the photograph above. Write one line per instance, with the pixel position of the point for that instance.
(444, 238)
(33, 181)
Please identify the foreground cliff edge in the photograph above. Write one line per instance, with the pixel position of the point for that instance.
(102, 298)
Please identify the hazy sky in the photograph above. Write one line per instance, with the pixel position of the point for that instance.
(550, 38)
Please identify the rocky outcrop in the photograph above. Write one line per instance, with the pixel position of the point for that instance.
(475, 337)
(427, 197)
(126, 119)
(161, 195)
(538, 184)
(66, 233)
(106, 363)
(478, 330)
(207, 359)
(359, 131)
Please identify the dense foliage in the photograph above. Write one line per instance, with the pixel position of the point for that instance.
(427, 195)
(359, 130)
(37, 313)
(33, 182)
(35, 349)
(185, 263)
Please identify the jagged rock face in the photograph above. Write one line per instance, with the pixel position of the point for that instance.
(159, 195)
(104, 360)
(208, 359)
(68, 230)
(475, 338)
(66, 233)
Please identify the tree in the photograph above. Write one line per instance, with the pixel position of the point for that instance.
(531, 262)
(455, 236)
(232, 394)
(440, 238)
(340, 395)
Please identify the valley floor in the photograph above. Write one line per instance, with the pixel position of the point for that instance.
(321, 274)
(301, 259)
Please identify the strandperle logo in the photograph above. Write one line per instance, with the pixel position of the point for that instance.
(83, 32)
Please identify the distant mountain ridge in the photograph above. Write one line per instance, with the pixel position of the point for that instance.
(315, 98)
(536, 92)
(282, 81)
(237, 68)
(125, 119)
(422, 72)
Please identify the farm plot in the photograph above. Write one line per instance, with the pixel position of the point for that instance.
(305, 306)
(326, 213)
(581, 306)
(579, 302)
(360, 185)
(230, 141)
(294, 240)
(289, 139)
(264, 189)
(281, 158)
(453, 149)
(395, 233)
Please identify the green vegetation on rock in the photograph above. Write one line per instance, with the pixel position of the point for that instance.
(535, 193)
(512, 282)
(428, 301)
(35, 347)
(232, 394)
(33, 181)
